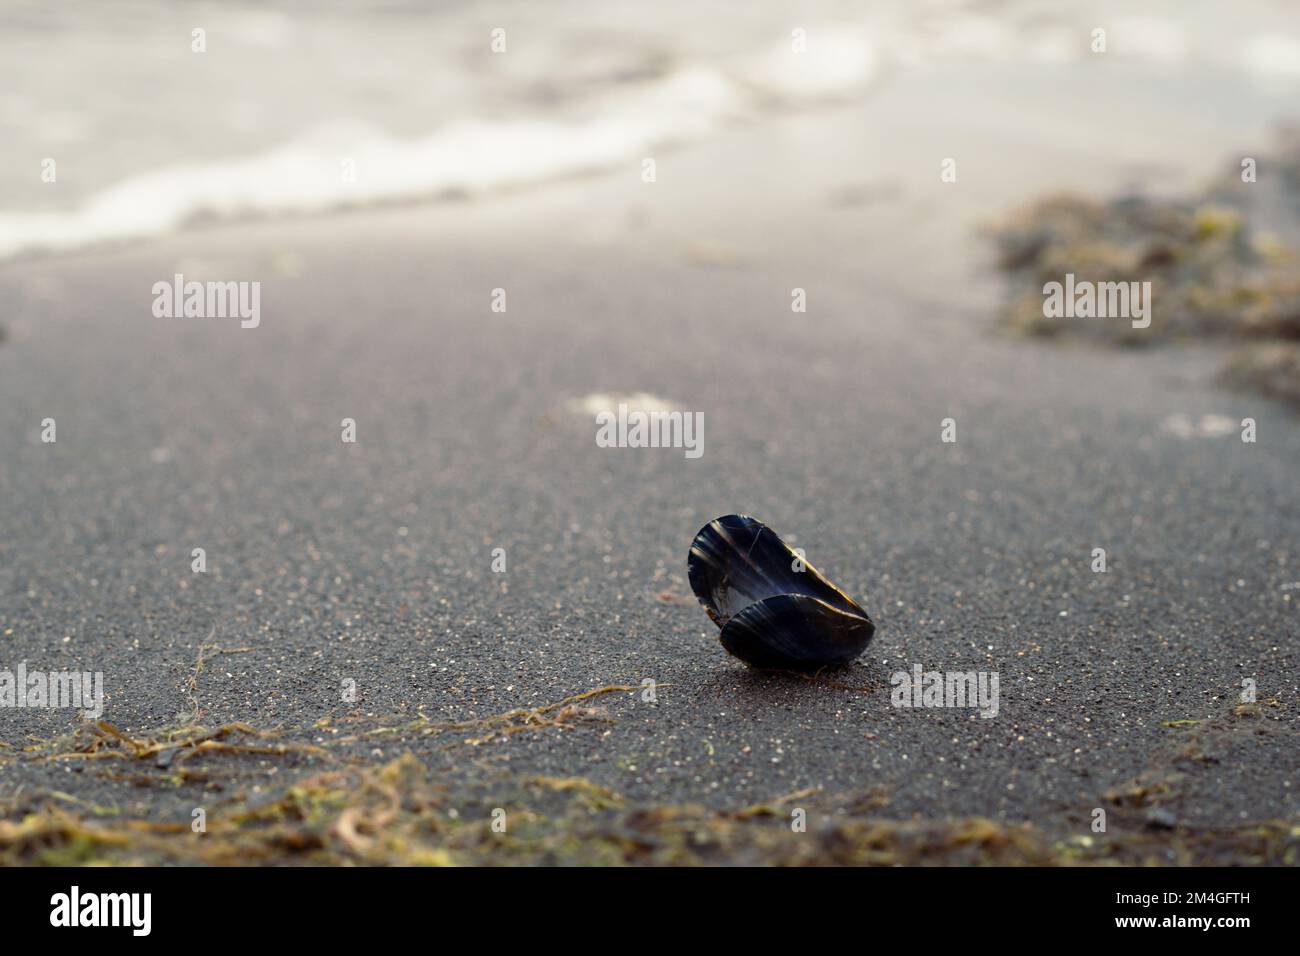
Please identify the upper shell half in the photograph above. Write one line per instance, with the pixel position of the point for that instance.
(774, 608)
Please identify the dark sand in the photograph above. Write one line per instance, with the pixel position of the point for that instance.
(371, 562)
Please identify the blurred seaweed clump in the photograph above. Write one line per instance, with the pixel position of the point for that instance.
(1223, 265)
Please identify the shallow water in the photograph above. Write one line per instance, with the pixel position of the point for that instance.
(298, 106)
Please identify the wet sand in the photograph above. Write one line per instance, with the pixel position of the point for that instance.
(372, 562)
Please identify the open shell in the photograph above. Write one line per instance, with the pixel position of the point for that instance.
(772, 615)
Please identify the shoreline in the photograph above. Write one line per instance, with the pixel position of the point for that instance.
(371, 562)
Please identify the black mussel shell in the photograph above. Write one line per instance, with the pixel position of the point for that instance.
(772, 615)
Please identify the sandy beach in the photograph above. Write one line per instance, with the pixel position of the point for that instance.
(370, 564)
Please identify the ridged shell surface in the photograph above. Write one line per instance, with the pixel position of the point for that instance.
(775, 609)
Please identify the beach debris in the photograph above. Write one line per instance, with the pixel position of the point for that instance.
(570, 712)
(1272, 369)
(1213, 274)
(1161, 819)
(1221, 264)
(775, 610)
